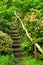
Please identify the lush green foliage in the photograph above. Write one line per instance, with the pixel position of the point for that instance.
(5, 42)
(28, 47)
(32, 61)
(7, 60)
(31, 12)
(34, 24)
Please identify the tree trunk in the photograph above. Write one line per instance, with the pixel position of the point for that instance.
(35, 52)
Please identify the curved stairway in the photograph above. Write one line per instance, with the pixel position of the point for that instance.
(14, 33)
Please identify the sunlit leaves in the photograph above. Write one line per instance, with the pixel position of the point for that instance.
(5, 1)
(2, 7)
(1, 3)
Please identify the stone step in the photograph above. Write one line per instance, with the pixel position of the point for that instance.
(17, 41)
(18, 54)
(14, 35)
(17, 50)
(16, 45)
(15, 38)
(13, 28)
(14, 32)
(19, 58)
(13, 24)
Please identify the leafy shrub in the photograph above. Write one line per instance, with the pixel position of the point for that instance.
(28, 47)
(5, 42)
(39, 56)
(27, 4)
(7, 60)
(32, 22)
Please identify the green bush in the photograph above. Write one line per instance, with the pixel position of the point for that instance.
(34, 25)
(5, 42)
(28, 47)
(24, 10)
(7, 60)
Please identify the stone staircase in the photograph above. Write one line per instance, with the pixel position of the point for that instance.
(14, 33)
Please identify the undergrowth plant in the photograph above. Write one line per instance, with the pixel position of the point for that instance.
(5, 43)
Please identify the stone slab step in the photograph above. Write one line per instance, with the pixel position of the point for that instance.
(13, 28)
(16, 44)
(15, 47)
(19, 58)
(17, 50)
(14, 25)
(15, 38)
(14, 32)
(14, 35)
(18, 54)
(17, 41)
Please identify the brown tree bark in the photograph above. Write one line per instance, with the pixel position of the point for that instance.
(35, 52)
